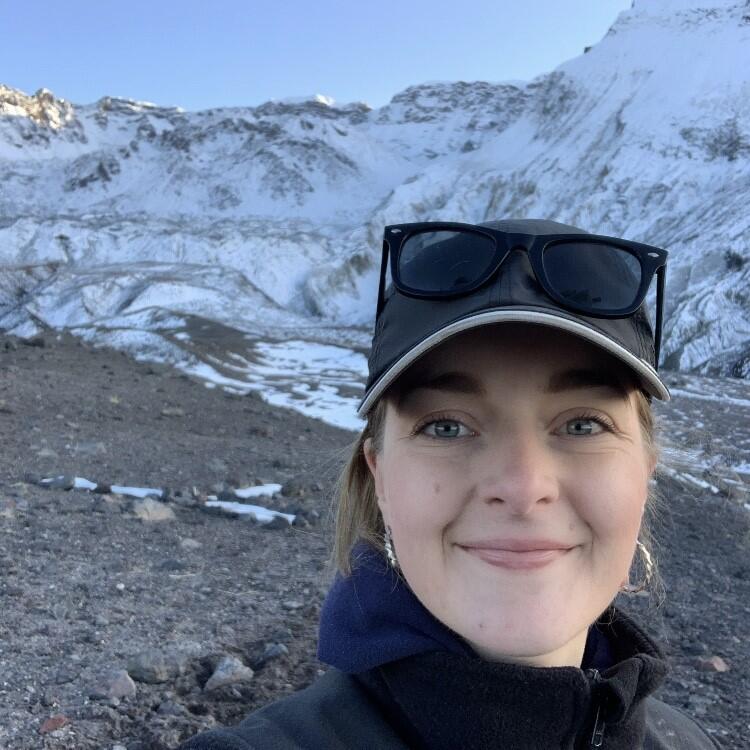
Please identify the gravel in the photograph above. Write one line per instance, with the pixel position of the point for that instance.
(133, 624)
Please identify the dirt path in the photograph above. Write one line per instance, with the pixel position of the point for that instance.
(89, 589)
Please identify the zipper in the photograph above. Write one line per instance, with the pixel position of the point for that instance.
(597, 736)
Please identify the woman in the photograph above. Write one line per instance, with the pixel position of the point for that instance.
(493, 505)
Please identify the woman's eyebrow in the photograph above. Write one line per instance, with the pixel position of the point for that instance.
(569, 380)
(451, 382)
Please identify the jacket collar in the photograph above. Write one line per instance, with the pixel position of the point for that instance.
(449, 701)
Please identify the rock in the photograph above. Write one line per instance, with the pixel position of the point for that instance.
(217, 510)
(292, 604)
(106, 504)
(47, 453)
(229, 671)
(284, 634)
(7, 508)
(57, 721)
(218, 466)
(121, 685)
(154, 667)
(116, 685)
(293, 488)
(694, 648)
(711, 664)
(170, 708)
(190, 544)
(270, 652)
(65, 482)
(171, 565)
(64, 675)
(277, 522)
(172, 411)
(152, 511)
(91, 448)
(36, 341)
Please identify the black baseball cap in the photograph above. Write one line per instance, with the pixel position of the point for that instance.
(408, 327)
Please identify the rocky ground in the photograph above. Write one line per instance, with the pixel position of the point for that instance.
(132, 625)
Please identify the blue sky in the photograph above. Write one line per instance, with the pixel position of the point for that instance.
(199, 54)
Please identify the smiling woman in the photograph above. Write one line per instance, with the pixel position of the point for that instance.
(493, 505)
(492, 481)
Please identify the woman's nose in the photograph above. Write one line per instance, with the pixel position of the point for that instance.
(521, 474)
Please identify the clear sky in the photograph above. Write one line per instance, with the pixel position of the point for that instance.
(208, 53)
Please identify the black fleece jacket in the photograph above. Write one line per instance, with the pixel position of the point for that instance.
(402, 679)
(446, 701)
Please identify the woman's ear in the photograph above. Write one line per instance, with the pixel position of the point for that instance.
(371, 457)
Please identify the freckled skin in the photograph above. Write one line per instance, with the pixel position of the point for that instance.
(513, 466)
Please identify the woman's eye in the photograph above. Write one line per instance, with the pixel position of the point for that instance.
(585, 426)
(445, 428)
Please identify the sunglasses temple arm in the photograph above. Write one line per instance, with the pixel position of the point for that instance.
(381, 284)
(660, 274)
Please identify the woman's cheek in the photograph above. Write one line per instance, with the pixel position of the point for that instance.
(421, 497)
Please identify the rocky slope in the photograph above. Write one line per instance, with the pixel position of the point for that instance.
(131, 625)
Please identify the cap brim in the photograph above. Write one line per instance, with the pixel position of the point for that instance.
(647, 374)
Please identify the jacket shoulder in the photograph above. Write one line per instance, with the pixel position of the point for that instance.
(669, 728)
(335, 713)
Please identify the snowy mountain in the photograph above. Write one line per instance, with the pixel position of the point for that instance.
(127, 222)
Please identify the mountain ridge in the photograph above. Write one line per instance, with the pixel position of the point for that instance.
(646, 135)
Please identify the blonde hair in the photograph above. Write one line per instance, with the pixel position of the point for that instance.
(358, 516)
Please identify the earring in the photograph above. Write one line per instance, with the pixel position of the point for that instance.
(648, 563)
(389, 551)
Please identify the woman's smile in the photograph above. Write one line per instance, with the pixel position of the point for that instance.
(529, 559)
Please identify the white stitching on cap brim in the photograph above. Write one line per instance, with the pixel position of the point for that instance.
(655, 385)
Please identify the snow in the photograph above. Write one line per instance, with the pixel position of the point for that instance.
(319, 380)
(317, 98)
(81, 483)
(136, 491)
(261, 514)
(128, 223)
(85, 484)
(720, 398)
(257, 491)
(691, 479)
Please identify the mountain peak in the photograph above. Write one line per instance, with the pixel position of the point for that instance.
(43, 107)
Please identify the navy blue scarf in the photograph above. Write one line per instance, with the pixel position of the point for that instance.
(372, 617)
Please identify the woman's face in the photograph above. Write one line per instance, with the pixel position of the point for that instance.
(511, 436)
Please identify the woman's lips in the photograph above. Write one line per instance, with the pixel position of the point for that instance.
(527, 560)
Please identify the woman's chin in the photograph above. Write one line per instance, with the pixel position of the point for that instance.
(541, 647)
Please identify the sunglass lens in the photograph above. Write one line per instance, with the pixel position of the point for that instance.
(444, 261)
(593, 275)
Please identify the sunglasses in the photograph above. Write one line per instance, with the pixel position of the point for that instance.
(598, 276)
